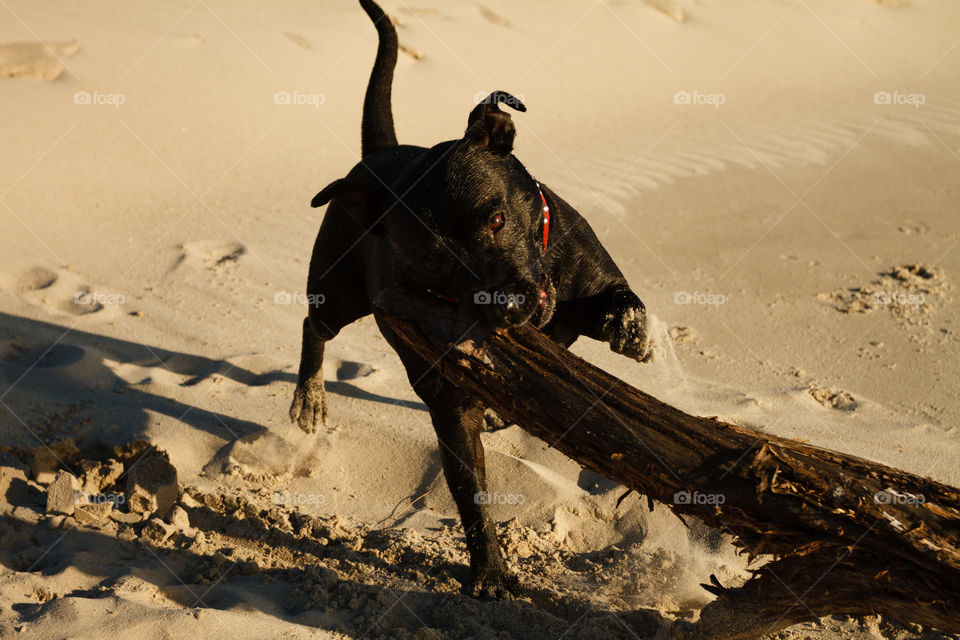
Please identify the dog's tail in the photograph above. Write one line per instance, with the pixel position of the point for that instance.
(376, 130)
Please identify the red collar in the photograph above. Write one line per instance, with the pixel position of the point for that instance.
(546, 217)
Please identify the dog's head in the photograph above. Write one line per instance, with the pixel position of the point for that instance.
(465, 221)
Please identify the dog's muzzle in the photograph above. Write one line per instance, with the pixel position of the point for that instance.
(546, 303)
(516, 304)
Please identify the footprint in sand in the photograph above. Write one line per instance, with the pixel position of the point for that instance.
(33, 279)
(87, 299)
(913, 227)
(60, 291)
(413, 53)
(680, 334)
(348, 370)
(37, 60)
(416, 54)
(298, 40)
(833, 398)
(667, 9)
(190, 38)
(493, 17)
(214, 254)
(421, 11)
(911, 292)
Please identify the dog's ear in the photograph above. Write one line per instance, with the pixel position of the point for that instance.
(490, 127)
(366, 204)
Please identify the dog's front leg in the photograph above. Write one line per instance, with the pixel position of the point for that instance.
(615, 316)
(624, 323)
(457, 424)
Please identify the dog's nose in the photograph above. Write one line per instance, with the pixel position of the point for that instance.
(515, 312)
(512, 306)
(507, 306)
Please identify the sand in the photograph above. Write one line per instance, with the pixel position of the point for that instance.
(777, 180)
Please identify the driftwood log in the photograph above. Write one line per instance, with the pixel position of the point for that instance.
(843, 535)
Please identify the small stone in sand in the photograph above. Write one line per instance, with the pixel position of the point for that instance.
(13, 487)
(62, 494)
(180, 519)
(157, 530)
(152, 485)
(93, 512)
(101, 475)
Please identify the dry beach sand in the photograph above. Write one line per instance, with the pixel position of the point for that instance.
(778, 180)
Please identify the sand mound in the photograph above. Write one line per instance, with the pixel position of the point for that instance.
(217, 547)
(36, 60)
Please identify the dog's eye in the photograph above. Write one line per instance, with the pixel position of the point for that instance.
(496, 222)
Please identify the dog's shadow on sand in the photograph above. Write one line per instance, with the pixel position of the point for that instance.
(49, 374)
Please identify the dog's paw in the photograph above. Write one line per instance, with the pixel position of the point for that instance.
(494, 585)
(625, 327)
(309, 408)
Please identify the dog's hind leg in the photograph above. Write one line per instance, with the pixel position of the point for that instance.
(309, 406)
(335, 301)
(457, 422)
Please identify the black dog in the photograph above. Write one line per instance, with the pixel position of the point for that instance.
(464, 223)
